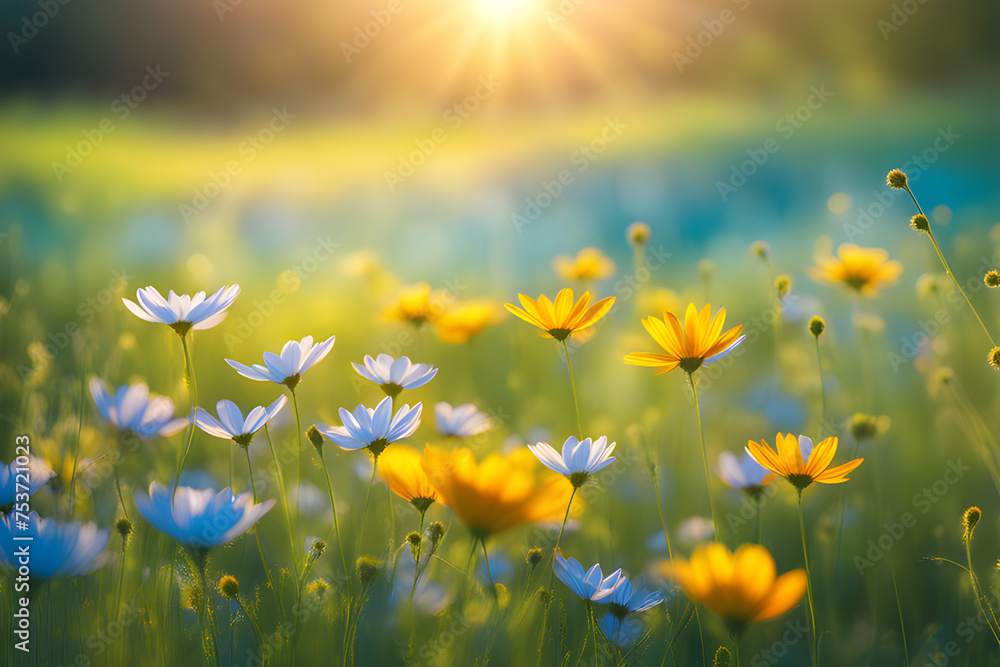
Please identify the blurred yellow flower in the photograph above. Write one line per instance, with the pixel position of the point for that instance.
(797, 461)
(497, 494)
(741, 588)
(700, 340)
(866, 270)
(589, 264)
(401, 468)
(658, 300)
(563, 318)
(415, 304)
(467, 319)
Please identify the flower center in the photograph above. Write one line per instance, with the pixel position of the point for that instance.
(422, 504)
(560, 334)
(292, 381)
(181, 328)
(578, 478)
(391, 389)
(617, 610)
(691, 364)
(855, 281)
(243, 440)
(800, 480)
(377, 446)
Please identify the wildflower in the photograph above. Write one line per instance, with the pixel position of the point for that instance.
(864, 426)
(865, 270)
(579, 458)
(896, 180)
(562, 318)
(817, 325)
(182, 312)
(229, 587)
(994, 358)
(969, 521)
(462, 421)
(590, 585)
(39, 474)
(57, 549)
(638, 233)
(414, 540)
(992, 279)
(200, 519)
(465, 320)
(741, 588)
(492, 496)
(624, 600)
(315, 438)
(797, 461)
(232, 426)
(699, 342)
(413, 305)
(317, 587)
(368, 568)
(395, 375)
(435, 532)
(287, 369)
(534, 557)
(133, 408)
(124, 528)
(589, 264)
(761, 250)
(373, 429)
(402, 470)
(919, 222)
(723, 658)
(743, 473)
(782, 284)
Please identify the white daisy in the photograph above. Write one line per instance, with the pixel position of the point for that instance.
(287, 368)
(395, 375)
(182, 312)
(579, 459)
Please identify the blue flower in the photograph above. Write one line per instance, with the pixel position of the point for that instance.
(287, 368)
(462, 421)
(375, 429)
(624, 600)
(200, 519)
(743, 473)
(133, 408)
(38, 474)
(621, 632)
(395, 375)
(590, 585)
(182, 312)
(57, 550)
(232, 425)
(579, 458)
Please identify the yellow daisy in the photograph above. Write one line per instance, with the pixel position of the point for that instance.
(698, 342)
(589, 264)
(467, 319)
(401, 467)
(562, 318)
(415, 304)
(799, 462)
(741, 588)
(865, 270)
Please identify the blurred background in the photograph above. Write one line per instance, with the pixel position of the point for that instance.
(327, 155)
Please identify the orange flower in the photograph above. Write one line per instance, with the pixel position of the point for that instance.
(466, 320)
(415, 305)
(700, 341)
(497, 494)
(866, 270)
(401, 468)
(740, 588)
(799, 462)
(589, 264)
(562, 318)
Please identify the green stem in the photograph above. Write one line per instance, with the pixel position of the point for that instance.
(892, 565)
(364, 512)
(593, 629)
(840, 527)
(298, 429)
(704, 457)
(193, 386)
(336, 522)
(757, 502)
(486, 559)
(572, 382)
(79, 438)
(659, 507)
(822, 391)
(736, 647)
(208, 620)
(416, 563)
(118, 487)
(944, 262)
(814, 657)
(284, 502)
